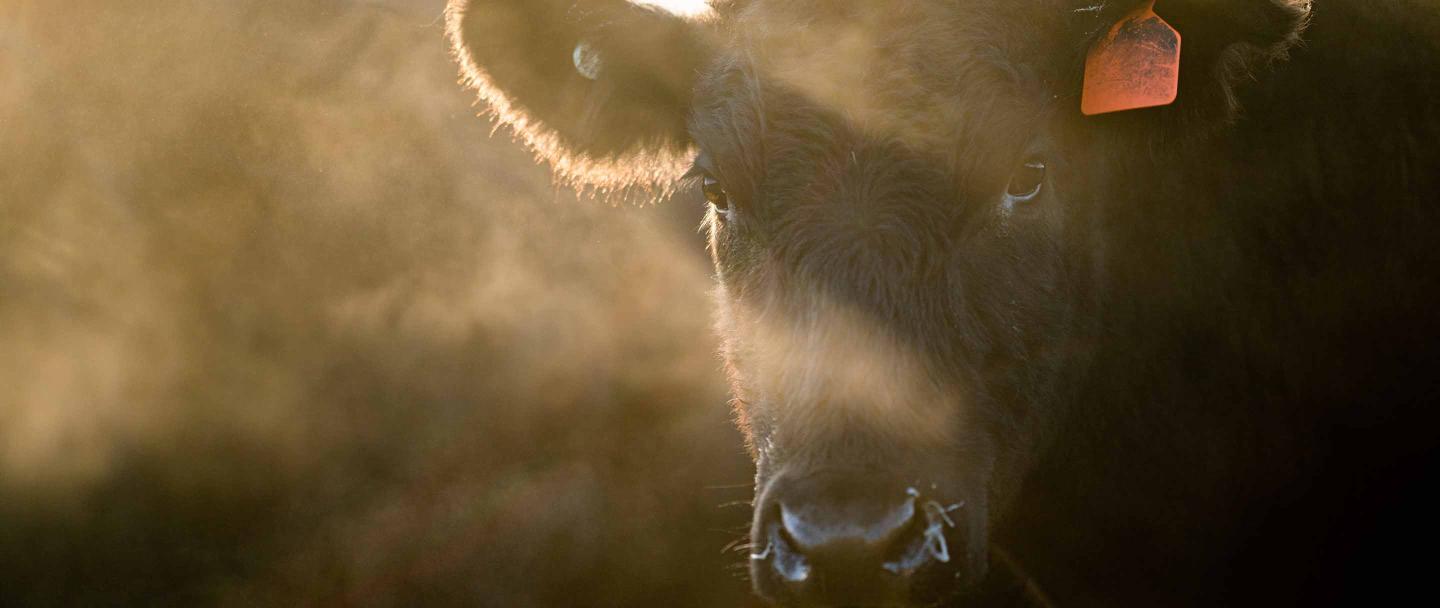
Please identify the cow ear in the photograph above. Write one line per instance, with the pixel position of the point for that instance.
(1223, 44)
(598, 88)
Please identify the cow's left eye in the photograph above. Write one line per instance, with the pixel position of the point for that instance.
(1026, 182)
(714, 192)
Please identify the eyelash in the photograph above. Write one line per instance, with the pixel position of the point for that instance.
(710, 185)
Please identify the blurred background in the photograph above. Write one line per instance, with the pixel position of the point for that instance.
(281, 324)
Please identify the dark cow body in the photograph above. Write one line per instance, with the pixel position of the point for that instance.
(1195, 365)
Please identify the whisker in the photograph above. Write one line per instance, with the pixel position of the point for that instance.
(763, 555)
(739, 544)
(736, 486)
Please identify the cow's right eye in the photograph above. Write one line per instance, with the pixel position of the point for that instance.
(1026, 182)
(715, 193)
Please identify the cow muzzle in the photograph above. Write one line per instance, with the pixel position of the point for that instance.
(850, 540)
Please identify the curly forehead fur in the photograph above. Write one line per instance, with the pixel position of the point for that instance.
(936, 79)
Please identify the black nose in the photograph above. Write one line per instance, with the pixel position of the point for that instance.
(839, 542)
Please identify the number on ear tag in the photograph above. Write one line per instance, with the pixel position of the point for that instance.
(1136, 65)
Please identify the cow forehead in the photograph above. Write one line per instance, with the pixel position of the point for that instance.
(925, 73)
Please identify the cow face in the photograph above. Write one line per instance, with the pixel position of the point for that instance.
(889, 223)
(907, 216)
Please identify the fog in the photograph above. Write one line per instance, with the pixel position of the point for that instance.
(282, 324)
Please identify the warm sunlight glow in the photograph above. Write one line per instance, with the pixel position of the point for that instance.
(686, 8)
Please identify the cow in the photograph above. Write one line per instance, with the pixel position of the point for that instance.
(1083, 302)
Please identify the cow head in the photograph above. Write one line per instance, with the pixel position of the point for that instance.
(907, 214)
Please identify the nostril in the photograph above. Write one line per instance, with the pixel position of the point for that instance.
(788, 561)
(907, 543)
(780, 550)
(786, 538)
(924, 540)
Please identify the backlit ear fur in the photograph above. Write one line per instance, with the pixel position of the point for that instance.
(619, 127)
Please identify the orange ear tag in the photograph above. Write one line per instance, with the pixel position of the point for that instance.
(1136, 65)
